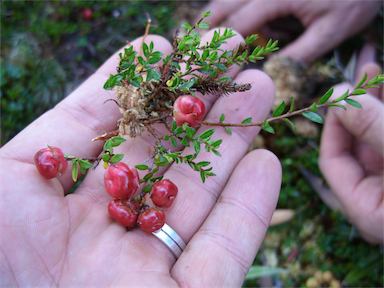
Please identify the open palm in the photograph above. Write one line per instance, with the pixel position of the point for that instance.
(49, 239)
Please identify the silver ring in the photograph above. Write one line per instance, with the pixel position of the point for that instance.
(171, 239)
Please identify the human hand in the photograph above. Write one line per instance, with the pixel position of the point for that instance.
(327, 23)
(351, 158)
(52, 239)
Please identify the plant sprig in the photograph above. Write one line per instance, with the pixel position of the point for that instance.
(308, 112)
(147, 86)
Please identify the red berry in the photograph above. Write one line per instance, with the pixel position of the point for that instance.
(124, 211)
(87, 14)
(163, 193)
(121, 181)
(188, 109)
(51, 162)
(151, 219)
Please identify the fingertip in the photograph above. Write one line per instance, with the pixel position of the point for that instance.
(160, 44)
(371, 69)
(268, 167)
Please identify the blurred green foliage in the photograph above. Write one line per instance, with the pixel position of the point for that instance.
(317, 238)
(48, 48)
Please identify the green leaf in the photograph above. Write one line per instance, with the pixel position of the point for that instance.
(290, 122)
(187, 26)
(216, 152)
(202, 176)
(75, 170)
(117, 158)
(266, 127)
(107, 144)
(196, 146)
(176, 65)
(337, 105)
(113, 81)
(313, 117)
(247, 120)
(217, 143)
(207, 134)
(152, 74)
(158, 178)
(342, 97)
(206, 71)
(222, 118)
(359, 92)
(83, 170)
(362, 81)
(151, 46)
(205, 54)
(203, 163)
(313, 107)
(134, 82)
(154, 60)
(84, 164)
(162, 163)
(279, 110)
(147, 188)
(220, 66)
(141, 60)
(325, 97)
(292, 105)
(353, 103)
(185, 141)
(190, 132)
(118, 139)
(228, 130)
(106, 157)
(260, 271)
(173, 141)
(148, 176)
(179, 130)
(203, 25)
(371, 86)
(174, 126)
(142, 167)
(250, 39)
(145, 50)
(206, 14)
(166, 137)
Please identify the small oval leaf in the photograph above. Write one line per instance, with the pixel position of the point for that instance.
(313, 117)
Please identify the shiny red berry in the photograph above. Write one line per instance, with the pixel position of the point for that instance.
(188, 109)
(87, 14)
(151, 219)
(51, 162)
(121, 181)
(163, 193)
(124, 211)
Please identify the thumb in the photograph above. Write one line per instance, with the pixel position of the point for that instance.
(367, 123)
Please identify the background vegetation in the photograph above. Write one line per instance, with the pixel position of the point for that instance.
(50, 48)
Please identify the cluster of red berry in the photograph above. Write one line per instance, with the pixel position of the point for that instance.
(122, 182)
